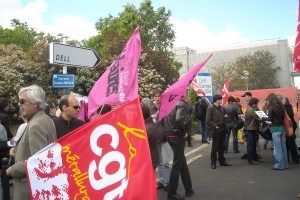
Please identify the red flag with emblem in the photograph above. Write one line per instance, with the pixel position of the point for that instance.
(296, 56)
(107, 158)
(196, 87)
(225, 91)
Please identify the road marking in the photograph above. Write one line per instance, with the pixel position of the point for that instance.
(194, 158)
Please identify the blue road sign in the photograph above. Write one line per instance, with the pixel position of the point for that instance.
(63, 80)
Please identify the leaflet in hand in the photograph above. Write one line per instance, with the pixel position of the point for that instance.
(261, 113)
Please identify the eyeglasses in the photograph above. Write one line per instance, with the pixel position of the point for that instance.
(23, 101)
(76, 107)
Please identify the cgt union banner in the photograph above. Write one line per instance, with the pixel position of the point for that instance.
(108, 158)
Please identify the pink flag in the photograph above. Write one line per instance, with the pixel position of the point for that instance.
(296, 57)
(119, 83)
(196, 87)
(225, 91)
(178, 89)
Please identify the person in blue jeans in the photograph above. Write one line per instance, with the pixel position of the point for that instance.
(231, 111)
(250, 128)
(276, 116)
(203, 107)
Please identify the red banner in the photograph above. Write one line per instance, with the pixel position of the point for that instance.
(262, 95)
(107, 158)
(296, 56)
(225, 91)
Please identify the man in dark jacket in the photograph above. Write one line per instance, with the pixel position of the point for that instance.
(215, 116)
(67, 121)
(231, 111)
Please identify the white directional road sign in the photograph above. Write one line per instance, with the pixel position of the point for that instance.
(62, 54)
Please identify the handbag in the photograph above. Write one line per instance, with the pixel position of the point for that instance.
(238, 124)
(288, 124)
(264, 130)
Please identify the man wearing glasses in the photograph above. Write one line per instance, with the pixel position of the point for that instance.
(40, 132)
(67, 121)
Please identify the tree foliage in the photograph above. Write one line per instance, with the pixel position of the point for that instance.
(258, 64)
(24, 53)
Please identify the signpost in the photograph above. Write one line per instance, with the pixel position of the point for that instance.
(63, 80)
(66, 55)
(62, 54)
(205, 83)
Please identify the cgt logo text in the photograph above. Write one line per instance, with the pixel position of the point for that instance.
(99, 167)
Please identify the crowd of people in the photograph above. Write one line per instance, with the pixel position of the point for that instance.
(167, 138)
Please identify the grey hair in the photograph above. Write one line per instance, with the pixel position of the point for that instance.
(35, 94)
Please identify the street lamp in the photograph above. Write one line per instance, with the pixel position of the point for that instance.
(246, 76)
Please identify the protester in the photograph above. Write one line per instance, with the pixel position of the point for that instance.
(291, 146)
(248, 96)
(241, 115)
(250, 129)
(188, 121)
(152, 133)
(202, 108)
(175, 129)
(164, 148)
(197, 113)
(231, 111)
(276, 116)
(50, 109)
(4, 117)
(39, 133)
(146, 102)
(215, 120)
(67, 121)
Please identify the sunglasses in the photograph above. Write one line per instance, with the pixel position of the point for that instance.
(23, 101)
(76, 107)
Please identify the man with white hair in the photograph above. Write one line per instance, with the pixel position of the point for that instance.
(39, 133)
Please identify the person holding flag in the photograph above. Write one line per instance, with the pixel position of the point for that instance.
(174, 127)
(40, 132)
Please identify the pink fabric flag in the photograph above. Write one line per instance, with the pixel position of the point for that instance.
(196, 87)
(225, 91)
(296, 56)
(119, 83)
(178, 89)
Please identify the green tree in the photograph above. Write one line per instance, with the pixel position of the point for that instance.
(259, 65)
(261, 73)
(20, 35)
(157, 37)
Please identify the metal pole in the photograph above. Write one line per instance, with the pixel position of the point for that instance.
(65, 71)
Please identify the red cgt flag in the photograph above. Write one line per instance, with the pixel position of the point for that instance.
(107, 158)
(225, 91)
(296, 56)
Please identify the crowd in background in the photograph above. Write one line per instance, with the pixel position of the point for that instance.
(167, 138)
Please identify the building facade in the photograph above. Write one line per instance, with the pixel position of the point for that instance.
(221, 55)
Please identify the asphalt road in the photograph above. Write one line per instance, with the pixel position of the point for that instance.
(241, 181)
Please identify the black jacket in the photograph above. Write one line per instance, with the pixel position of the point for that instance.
(63, 127)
